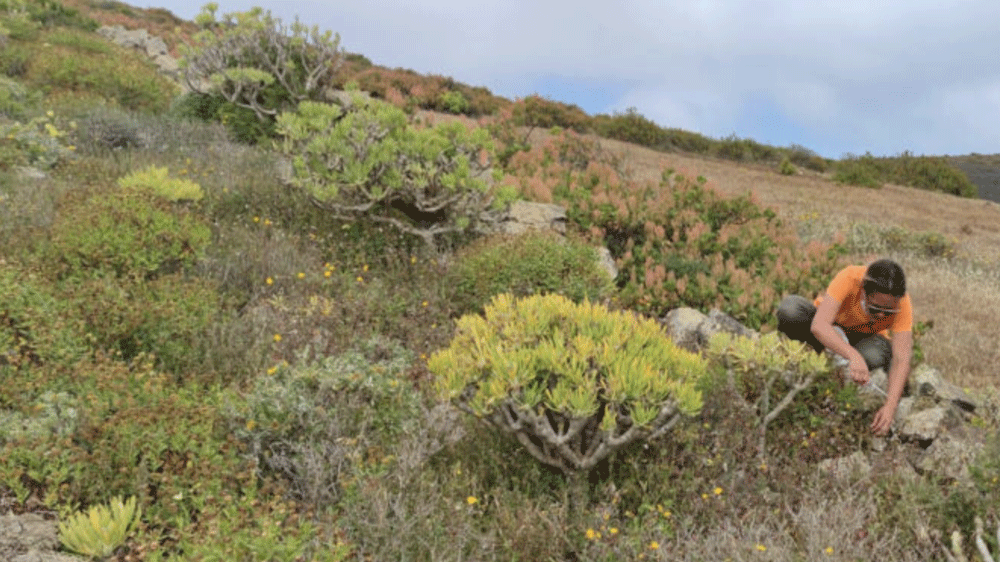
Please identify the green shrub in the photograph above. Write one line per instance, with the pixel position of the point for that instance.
(538, 112)
(454, 102)
(786, 168)
(14, 99)
(157, 180)
(858, 170)
(124, 233)
(632, 127)
(806, 158)
(573, 382)
(523, 265)
(15, 60)
(35, 327)
(368, 163)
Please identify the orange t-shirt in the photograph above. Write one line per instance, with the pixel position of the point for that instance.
(847, 287)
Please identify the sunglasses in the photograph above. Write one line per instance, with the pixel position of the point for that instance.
(873, 310)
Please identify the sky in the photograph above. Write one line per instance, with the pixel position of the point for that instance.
(838, 77)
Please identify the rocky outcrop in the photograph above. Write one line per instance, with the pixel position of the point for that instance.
(140, 39)
(933, 419)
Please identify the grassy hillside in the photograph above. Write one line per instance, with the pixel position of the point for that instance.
(241, 340)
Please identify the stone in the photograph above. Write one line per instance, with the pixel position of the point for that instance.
(682, 324)
(924, 426)
(949, 456)
(526, 215)
(855, 465)
(718, 322)
(927, 381)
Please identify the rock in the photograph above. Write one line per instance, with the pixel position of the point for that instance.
(718, 322)
(924, 426)
(682, 325)
(607, 262)
(526, 215)
(949, 456)
(28, 531)
(852, 466)
(928, 382)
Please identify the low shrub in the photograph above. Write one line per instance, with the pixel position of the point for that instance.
(125, 233)
(631, 126)
(35, 325)
(858, 170)
(546, 263)
(325, 425)
(786, 168)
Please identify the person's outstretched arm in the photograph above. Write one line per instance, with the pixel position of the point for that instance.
(822, 328)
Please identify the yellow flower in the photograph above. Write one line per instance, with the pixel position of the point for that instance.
(471, 500)
(269, 281)
(704, 496)
(364, 268)
(361, 279)
(251, 424)
(613, 530)
(301, 275)
(256, 219)
(761, 548)
(277, 338)
(326, 273)
(829, 550)
(272, 370)
(413, 259)
(718, 491)
(424, 303)
(654, 545)
(591, 534)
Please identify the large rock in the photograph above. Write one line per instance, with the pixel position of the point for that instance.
(692, 329)
(927, 381)
(526, 215)
(681, 324)
(950, 455)
(924, 426)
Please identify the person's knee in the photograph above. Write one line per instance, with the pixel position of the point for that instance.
(877, 352)
(795, 310)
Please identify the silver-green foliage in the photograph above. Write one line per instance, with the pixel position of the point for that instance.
(255, 61)
(314, 421)
(367, 161)
(572, 382)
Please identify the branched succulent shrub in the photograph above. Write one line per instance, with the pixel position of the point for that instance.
(572, 382)
(679, 242)
(254, 61)
(367, 162)
(101, 530)
(767, 372)
(546, 263)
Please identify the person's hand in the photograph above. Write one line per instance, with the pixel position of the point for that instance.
(858, 370)
(883, 419)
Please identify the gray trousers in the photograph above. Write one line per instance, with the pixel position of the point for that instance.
(795, 315)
